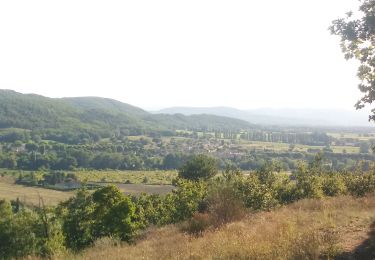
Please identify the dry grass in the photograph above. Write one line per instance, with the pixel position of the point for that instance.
(30, 195)
(308, 229)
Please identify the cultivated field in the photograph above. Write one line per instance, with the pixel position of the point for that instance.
(158, 182)
(30, 195)
(134, 177)
(283, 147)
(360, 137)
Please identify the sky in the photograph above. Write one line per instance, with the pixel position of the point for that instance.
(202, 53)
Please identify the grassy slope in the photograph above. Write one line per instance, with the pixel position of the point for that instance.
(307, 229)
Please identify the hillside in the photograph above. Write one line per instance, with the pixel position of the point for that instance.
(94, 114)
(282, 116)
(332, 228)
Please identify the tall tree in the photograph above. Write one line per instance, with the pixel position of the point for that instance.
(357, 34)
(199, 167)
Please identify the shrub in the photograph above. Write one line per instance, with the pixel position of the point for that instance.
(333, 185)
(254, 195)
(28, 232)
(224, 205)
(197, 224)
(187, 198)
(360, 184)
(104, 243)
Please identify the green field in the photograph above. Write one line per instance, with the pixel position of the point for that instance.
(110, 176)
(135, 177)
(283, 147)
(358, 136)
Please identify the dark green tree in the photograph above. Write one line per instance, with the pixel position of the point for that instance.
(106, 212)
(199, 167)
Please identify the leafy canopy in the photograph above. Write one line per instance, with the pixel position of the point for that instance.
(358, 42)
(199, 167)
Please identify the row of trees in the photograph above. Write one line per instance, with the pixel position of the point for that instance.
(74, 158)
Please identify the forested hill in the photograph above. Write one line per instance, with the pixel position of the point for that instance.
(97, 115)
(284, 116)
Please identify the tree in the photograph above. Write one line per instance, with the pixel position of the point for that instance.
(106, 212)
(199, 167)
(364, 147)
(358, 41)
(10, 162)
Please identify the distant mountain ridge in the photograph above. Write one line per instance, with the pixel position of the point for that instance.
(282, 116)
(31, 111)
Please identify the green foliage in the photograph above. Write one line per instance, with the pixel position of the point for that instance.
(186, 198)
(308, 183)
(199, 167)
(106, 212)
(254, 194)
(78, 220)
(28, 232)
(154, 210)
(223, 202)
(200, 204)
(180, 205)
(357, 36)
(361, 184)
(80, 120)
(334, 184)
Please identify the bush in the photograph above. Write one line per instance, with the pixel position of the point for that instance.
(224, 205)
(360, 184)
(309, 182)
(104, 243)
(197, 224)
(28, 232)
(334, 185)
(187, 198)
(255, 195)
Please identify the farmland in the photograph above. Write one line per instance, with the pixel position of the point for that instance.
(129, 182)
(132, 177)
(31, 195)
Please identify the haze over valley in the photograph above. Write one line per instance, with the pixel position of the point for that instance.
(282, 116)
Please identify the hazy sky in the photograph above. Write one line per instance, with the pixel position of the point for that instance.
(156, 53)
